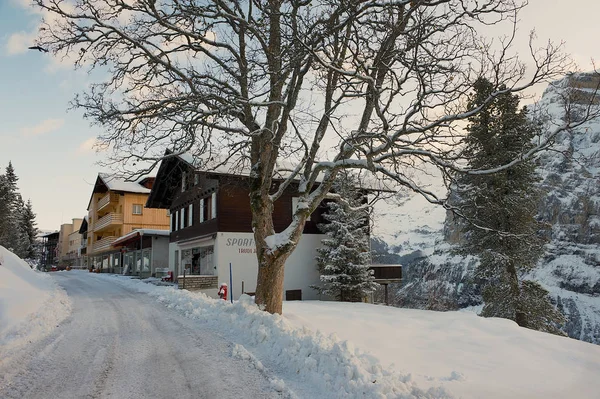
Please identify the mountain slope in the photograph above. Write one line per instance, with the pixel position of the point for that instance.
(570, 268)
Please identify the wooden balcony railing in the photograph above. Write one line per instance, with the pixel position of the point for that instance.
(104, 243)
(107, 199)
(108, 220)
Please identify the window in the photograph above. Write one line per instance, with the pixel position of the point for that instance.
(196, 179)
(183, 178)
(176, 221)
(182, 218)
(171, 223)
(202, 210)
(137, 209)
(190, 214)
(294, 205)
(293, 295)
(213, 203)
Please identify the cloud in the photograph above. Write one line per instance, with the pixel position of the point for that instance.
(18, 43)
(90, 145)
(47, 126)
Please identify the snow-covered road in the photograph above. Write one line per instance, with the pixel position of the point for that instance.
(120, 344)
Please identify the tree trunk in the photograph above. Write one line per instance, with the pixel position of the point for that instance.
(269, 289)
(520, 317)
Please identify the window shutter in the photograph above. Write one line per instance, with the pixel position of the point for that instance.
(213, 203)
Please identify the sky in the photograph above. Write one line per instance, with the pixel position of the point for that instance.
(50, 146)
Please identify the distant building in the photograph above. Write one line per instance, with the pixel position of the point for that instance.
(49, 253)
(69, 243)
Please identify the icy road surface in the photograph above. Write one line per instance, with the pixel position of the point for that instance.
(121, 344)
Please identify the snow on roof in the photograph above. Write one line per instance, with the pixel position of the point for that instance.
(143, 232)
(116, 184)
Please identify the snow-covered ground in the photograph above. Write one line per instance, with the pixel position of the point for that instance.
(467, 355)
(31, 304)
(342, 350)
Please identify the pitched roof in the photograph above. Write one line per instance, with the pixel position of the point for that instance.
(116, 184)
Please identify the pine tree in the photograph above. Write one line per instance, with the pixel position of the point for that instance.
(500, 209)
(344, 259)
(10, 236)
(28, 226)
(4, 208)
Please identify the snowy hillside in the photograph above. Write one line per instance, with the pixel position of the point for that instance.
(31, 304)
(570, 269)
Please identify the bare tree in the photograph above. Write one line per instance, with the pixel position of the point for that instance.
(329, 84)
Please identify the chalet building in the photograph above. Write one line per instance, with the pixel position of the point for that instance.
(116, 208)
(211, 228)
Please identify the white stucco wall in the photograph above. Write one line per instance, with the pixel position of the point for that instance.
(239, 250)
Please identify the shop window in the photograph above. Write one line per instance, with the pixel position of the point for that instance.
(198, 261)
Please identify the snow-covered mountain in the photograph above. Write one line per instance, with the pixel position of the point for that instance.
(570, 268)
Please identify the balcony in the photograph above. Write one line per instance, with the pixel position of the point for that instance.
(109, 198)
(107, 221)
(104, 243)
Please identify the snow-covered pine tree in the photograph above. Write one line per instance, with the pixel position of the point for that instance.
(344, 259)
(10, 234)
(501, 209)
(28, 226)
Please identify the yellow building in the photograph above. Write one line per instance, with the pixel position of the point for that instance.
(116, 208)
(69, 243)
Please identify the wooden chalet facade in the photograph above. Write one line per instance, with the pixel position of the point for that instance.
(211, 228)
(116, 208)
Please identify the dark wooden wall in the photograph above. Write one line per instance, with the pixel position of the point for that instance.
(233, 208)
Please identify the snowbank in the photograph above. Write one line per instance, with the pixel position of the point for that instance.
(294, 358)
(31, 303)
(469, 356)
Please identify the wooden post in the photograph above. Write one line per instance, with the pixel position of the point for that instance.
(243, 292)
(183, 288)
